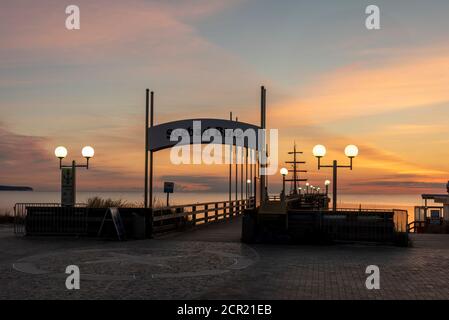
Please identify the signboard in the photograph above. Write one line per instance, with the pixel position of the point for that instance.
(116, 219)
(68, 187)
(196, 131)
(169, 187)
(435, 216)
(118, 222)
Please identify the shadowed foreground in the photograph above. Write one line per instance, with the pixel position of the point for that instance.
(210, 263)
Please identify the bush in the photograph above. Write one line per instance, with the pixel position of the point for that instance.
(97, 202)
(6, 217)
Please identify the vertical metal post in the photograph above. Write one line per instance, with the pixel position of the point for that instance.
(334, 186)
(283, 186)
(262, 143)
(236, 176)
(145, 201)
(74, 182)
(246, 174)
(151, 152)
(230, 175)
(242, 160)
(251, 172)
(236, 171)
(295, 185)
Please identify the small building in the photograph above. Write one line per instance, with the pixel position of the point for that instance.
(433, 217)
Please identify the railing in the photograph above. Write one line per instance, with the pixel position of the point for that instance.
(182, 216)
(366, 225)
(54, 219)
(353, 224)
(416, 226)
(50, 219)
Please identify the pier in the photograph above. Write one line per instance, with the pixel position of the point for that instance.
(210, 262)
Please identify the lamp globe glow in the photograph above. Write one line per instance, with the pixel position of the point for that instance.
(88, 152)
(307, 184)
(327, 182)
(61, 152)
(284, 171)
(248, 181)
(319, 151)
(351, 151)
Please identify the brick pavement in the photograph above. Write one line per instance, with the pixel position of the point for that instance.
(211, 263)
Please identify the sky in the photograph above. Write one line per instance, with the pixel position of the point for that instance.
(329, 81)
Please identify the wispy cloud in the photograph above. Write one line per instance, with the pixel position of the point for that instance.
(355, 90)
(23, 159)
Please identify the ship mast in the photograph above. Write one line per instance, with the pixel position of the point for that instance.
(295, 164)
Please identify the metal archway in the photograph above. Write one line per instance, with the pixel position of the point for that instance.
(157, 137)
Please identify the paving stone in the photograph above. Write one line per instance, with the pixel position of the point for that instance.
(211, 263)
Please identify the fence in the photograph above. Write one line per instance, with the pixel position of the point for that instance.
(54, 219)
(50, 219)
(183, 216)
(353, 224)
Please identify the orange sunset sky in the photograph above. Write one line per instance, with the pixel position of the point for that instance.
(330, 81)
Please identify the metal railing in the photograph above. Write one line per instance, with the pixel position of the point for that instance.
(50, 219)
(366, 225)
(54, 219)
(353, 224)
(182, 216)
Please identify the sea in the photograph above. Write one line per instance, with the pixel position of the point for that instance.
(364, 201)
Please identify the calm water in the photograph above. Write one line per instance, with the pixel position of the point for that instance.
(407, 202)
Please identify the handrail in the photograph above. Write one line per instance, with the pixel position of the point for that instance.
(168, 218)
(197, 204)
(414, 224)
(366, 210)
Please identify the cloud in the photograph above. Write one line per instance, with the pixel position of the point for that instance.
(354, 90)
(136, 28)
(23, 159)
(197, 183)
(402, 184)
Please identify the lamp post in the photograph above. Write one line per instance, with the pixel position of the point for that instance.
(327, 183)
(248, 187)
(68, 174)
(307, 187)
(284, 172)
(319, 151)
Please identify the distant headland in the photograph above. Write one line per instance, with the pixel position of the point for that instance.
(15, 188)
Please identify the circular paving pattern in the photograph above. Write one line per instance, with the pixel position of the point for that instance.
(131, 263)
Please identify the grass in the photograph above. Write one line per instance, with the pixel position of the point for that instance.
(98, 202)
(6, 216)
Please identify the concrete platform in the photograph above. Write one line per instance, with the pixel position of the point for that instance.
(210, 263)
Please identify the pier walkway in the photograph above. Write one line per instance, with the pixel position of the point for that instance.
(210, 263)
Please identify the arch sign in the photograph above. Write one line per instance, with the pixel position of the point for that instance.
(203, 131)
(244, 136)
